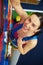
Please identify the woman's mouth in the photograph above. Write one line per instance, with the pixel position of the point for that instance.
(25, 28)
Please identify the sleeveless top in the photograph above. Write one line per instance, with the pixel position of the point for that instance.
(14, 35)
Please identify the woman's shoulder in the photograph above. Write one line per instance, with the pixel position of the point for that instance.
(34, 42)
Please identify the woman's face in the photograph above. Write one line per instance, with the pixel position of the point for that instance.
(31, 24)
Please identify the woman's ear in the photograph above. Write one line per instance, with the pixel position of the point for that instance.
(37, 30)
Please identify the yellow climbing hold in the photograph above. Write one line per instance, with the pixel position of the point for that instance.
(18, 18)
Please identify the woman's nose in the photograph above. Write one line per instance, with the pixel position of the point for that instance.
(27, 24)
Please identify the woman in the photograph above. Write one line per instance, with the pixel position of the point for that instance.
(25, 31)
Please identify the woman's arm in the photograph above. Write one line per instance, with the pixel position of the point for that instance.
(27, 47)
(17, 6)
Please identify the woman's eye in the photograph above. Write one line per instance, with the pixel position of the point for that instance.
(33, 25)
(29, 19)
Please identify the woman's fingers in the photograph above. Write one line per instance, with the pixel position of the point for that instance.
(20, 41)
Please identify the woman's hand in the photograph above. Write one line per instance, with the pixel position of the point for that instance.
(20, 42)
